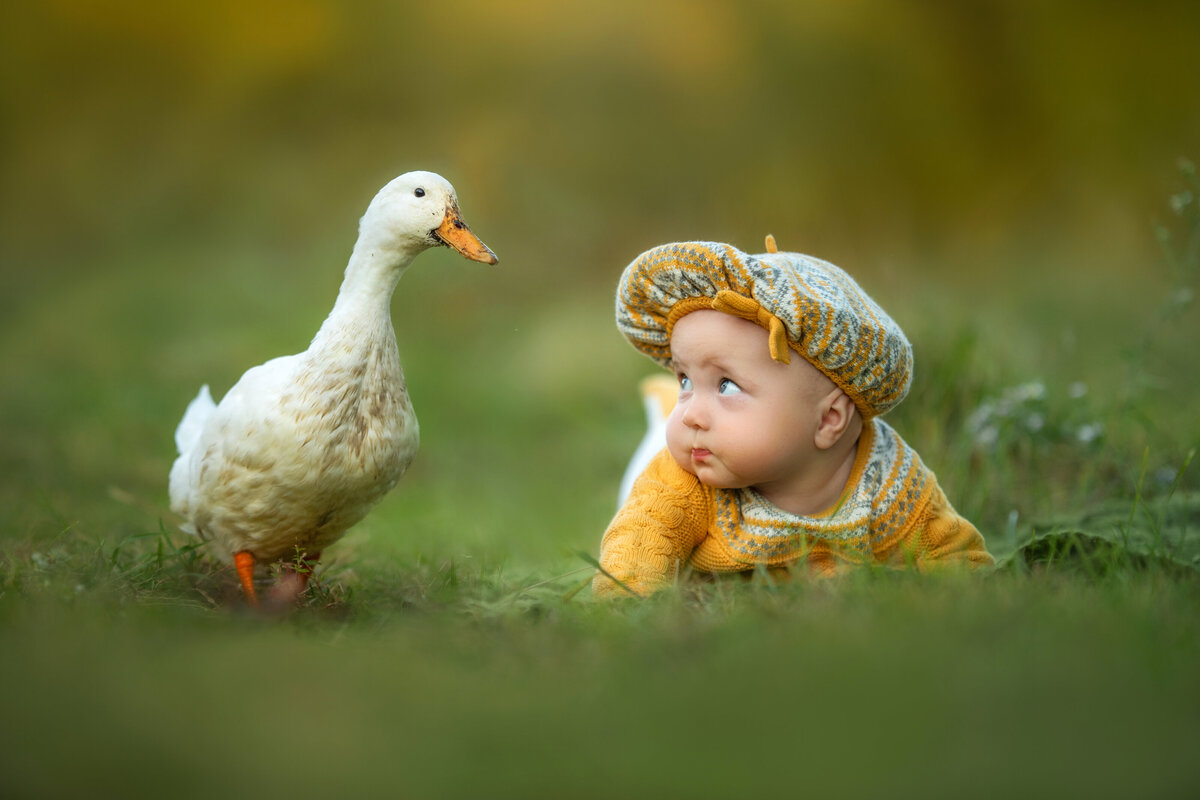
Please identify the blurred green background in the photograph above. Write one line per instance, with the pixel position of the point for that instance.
(179, 190)
(180, 186)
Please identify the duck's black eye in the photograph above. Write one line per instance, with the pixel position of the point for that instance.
(419, 192)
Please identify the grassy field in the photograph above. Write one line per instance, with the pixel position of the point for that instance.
(450, 648)
(177, 197)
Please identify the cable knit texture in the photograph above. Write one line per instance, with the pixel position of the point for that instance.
(892, 513)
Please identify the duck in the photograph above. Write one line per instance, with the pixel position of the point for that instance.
(301, 447)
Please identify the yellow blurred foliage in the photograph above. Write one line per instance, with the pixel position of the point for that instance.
(866, 131)
(226, 41)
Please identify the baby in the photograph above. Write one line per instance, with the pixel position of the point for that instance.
(775, 453)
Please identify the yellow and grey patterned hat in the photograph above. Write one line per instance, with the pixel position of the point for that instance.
(805, 304)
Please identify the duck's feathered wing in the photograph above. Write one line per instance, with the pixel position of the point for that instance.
(187, 438)
(202, 421)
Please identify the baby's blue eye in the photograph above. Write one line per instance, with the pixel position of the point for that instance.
(685, 383)
(729, 387)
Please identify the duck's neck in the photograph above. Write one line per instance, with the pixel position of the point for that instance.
(362, 312)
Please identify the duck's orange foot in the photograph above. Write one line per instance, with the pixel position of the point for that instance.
(243, 562)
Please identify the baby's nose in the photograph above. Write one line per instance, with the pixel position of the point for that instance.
(695, 414)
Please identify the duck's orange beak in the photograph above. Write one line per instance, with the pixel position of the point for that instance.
(455, 233)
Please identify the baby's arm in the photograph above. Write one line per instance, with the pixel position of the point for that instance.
(945, 537)
(654, 532)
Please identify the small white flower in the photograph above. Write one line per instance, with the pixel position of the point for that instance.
(1034, 390)
(1181, 201)
(979, 418)
(1035, 422)
(1089, 433)
(987, 436)
(1077, 390)
(1166, 476)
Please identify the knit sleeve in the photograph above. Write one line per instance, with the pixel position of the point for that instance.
(942, 537)
(652, 535)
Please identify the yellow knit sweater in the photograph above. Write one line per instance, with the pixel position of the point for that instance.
(892, 512)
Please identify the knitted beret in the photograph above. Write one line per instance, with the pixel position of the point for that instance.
(805, 304)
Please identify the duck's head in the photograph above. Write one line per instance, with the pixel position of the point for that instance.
(419, 210)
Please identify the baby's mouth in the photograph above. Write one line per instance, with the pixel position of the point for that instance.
(700, 454)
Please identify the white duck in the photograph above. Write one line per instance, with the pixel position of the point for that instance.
(303, 446)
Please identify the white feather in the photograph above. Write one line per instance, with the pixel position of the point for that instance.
(197, 413)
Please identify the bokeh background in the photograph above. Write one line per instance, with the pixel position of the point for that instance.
(179, 190)
(180, 186)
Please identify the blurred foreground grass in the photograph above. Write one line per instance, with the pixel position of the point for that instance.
(881, 684)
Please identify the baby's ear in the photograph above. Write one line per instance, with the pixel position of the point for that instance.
(837, 413)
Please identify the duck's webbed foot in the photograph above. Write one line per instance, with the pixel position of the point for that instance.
(243, 562)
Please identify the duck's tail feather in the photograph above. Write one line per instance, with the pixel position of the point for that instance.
(187, 436)
(198, 412)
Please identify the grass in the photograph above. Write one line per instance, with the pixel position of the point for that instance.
(1005, 684)
(450, 646)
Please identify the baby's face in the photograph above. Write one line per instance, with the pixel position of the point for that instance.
(742, 419)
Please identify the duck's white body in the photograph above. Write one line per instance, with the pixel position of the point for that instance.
(303, 446)
(300, 448)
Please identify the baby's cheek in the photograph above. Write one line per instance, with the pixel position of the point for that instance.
(684, 464)
(679, 447)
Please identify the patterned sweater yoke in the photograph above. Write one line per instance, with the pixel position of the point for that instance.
(887, 489)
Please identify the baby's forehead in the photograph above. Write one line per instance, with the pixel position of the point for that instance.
(714, 330)
(707, 337)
